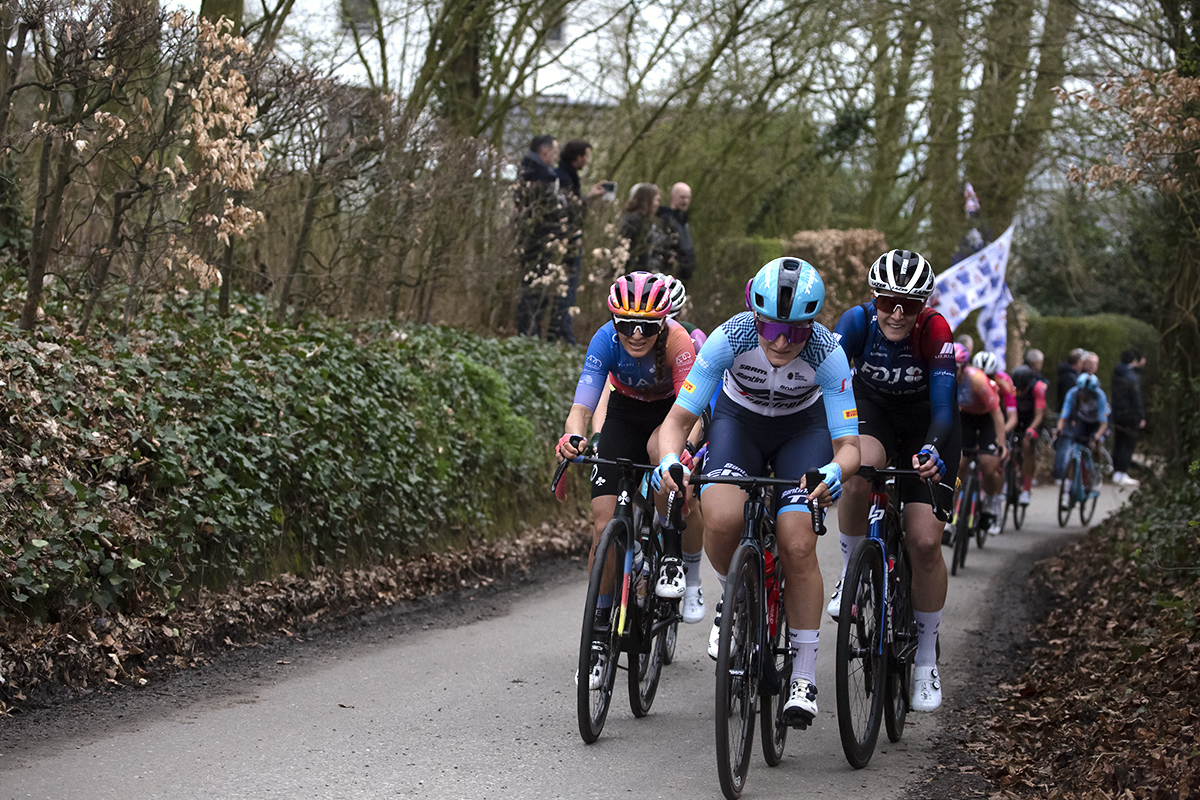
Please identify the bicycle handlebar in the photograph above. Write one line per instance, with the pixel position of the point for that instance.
(675, 506)
(876, 476)
(751, 482)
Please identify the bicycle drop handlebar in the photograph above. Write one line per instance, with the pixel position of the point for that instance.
(675, 504)
(876, 476)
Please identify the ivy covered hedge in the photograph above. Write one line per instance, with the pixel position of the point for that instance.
(200, 450)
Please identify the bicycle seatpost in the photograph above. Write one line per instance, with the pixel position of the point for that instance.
(811, 479)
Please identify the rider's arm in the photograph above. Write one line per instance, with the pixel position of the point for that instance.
(1039, 405)
(943, 381)
(1001, 442)
(851, 331)
(593, 379)
(1010, 419)
(672, 437)
(841, 415)
(1103, 410)
(1068, 407)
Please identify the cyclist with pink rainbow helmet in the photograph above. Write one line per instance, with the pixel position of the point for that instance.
(646, 357)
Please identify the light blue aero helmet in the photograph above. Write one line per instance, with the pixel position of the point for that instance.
(787, 290)
(1088, 382)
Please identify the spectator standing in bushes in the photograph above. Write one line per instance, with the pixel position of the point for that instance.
(1128, 413)
(680, 255)
(1090, 363)
(541, 222)
(1068, 373)
(640, 228)
(575, 156)
(1035, 359)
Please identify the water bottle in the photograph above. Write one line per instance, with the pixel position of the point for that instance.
(640, 574)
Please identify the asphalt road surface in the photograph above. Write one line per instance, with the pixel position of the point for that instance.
(487, 710)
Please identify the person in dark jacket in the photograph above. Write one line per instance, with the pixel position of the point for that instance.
(1128, 413)
(640, 229)
(680, 255)
(1068, 373)
(575, 156)
(541, 232)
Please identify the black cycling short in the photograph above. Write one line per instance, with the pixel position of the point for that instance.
(901, 425)
(979, 432)
(627, 427)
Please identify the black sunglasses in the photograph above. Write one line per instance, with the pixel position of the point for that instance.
(649, 328)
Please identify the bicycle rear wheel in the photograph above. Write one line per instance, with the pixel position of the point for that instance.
(774, 732)
(646, 657)
(860, 662)
(738, 670)
(594, 696)
(901, 648)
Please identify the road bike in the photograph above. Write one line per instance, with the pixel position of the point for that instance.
(1083, 492)
(876, 626)
(968, 511)
(1014, 483)
(638, 622)
(754, 658)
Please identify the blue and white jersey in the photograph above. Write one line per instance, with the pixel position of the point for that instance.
(731, 359)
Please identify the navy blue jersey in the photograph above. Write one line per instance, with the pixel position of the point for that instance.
(919, 367)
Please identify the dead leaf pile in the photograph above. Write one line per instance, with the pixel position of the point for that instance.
(1108, 705)
(92, 650)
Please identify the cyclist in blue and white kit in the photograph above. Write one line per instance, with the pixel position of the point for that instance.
(785, 401)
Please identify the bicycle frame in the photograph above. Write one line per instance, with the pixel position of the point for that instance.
(880, 504)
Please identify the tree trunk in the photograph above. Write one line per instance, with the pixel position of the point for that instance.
(298, 253)
(946, 222)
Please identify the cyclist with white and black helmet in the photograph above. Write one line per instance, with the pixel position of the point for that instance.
(784, 399)
(987, 361)
(905, 386)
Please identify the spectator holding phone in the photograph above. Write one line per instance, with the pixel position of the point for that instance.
(641, 229)
(574, 157)
(679, 257)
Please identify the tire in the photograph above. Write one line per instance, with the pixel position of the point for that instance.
(593, 704)
(646, 653)
(861, 664)
(963, 524)
(1087, 506)
(671, 636)
(738, 670)
(902, 647)
(1064, 512)
(774, 732)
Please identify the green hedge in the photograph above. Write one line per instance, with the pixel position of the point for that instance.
(718, 290)
(1107, 335)
(203, 450)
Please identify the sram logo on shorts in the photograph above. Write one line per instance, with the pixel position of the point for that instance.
(850, 413)
(689, 387)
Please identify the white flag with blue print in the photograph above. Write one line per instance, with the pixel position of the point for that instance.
(976, 282)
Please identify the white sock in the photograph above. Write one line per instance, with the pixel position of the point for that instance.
(848, 544)
(691, 567)
(804, 653)
(927, 632)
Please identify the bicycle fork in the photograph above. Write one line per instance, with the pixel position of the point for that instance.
(879, 504)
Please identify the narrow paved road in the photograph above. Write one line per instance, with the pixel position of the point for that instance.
(488, 710)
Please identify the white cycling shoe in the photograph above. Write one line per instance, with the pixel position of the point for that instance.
(834, 609)
(671, 581)
(599, 662)
(693, 605)
(714, 636)
(801, 707)
(1025, 498)
(927, 689)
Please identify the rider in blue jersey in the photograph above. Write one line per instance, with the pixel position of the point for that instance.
(785, 401)
(906, 390)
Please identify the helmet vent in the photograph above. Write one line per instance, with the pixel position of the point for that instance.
(810, 307)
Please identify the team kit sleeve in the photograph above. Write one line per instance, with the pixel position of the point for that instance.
(705, 377)
(943, 380)
(851, 332)
(984, 391)
(681, 352)
(841, 410)
(1068, 405)
(1039, 395)
(1103, 405)
(595, 368)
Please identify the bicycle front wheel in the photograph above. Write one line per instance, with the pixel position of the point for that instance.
(1066, 499)
(964, 522)
(599, 646)
(902, 647)
(738, 670)
(860, 659)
